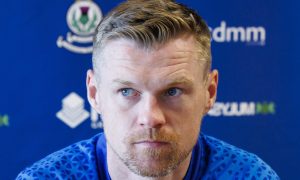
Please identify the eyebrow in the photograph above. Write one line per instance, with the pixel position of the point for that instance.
(124, 82)
(172, 82)
(180, 80)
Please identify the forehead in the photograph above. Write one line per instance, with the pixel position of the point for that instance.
(126, 58)
(184, 46)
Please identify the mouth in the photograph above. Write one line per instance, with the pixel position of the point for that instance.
(151, 143)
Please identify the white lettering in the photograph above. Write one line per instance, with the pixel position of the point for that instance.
(256, 34)
(233, 109)
(216, 110)
(218, 34)
(224, 33)
(247, 108)
(238, 34)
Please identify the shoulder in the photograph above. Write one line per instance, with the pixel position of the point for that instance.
(75, 161)
(226, 161)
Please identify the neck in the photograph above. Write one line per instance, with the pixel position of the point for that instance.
(118, 170)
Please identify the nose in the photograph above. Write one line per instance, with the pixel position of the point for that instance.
(151, 113)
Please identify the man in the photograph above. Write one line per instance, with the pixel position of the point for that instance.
(152, 84)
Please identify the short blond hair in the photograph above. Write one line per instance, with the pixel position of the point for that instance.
(150, 22)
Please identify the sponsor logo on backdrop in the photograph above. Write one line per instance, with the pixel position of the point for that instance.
(82, 18)
(252, 35)
(242, 109)
(4, 120)
(73, 112)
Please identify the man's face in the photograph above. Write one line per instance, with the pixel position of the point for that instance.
(152, 102)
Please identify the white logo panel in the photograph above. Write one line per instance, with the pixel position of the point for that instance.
(72, 112)
(82, 18)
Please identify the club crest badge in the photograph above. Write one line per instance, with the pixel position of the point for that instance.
(82, 18)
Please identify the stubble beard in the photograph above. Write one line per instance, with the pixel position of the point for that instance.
(153, 162)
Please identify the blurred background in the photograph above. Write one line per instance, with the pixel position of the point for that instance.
(46, 51)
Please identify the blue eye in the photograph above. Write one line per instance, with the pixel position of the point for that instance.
(129, 92)
(174, 92)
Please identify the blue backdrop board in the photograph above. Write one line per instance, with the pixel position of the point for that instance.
(46, 51)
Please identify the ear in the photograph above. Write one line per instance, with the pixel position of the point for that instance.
(92, 91)
(211, 90)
